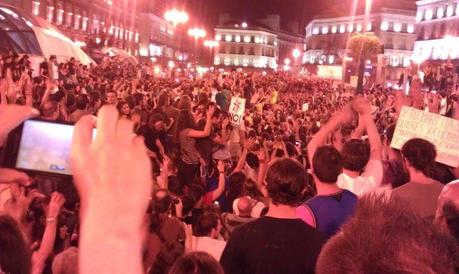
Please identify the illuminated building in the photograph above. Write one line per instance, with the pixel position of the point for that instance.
(437, 29)
(326, 39)
(255, 44)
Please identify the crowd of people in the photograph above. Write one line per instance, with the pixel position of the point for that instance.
(307, 182)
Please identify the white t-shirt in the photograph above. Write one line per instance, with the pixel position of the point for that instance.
(206, 244)
(368, 181)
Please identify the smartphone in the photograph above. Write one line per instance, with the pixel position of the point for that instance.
(38, 146)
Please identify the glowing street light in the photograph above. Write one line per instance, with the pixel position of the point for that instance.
(287, 61)
(176, 17)
(211, 44)
(296, 53)
(197, 33)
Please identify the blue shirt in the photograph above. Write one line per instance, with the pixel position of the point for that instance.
(331, 211)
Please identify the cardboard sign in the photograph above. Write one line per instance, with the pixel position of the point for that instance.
(236, 110)
(443, 132)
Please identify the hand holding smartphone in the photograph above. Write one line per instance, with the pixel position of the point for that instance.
(41, 147)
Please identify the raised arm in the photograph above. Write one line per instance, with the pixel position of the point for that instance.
(207, 128)
(46, 247)
(363, 107)
(221, 181)
(108, 243)
(241, 163)
(321, 136)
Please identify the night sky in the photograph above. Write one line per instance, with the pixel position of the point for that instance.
(205, 12)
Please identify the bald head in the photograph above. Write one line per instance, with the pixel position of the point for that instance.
(448, 208)
(244, 206)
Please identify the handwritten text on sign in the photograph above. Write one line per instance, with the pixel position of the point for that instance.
(441, 131)
(236, 110)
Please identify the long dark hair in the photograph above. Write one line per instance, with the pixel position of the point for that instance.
(185, 120)
(15, 256)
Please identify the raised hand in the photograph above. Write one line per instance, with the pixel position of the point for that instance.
(113, 172)
(113, 176)
(362, 106)
(55, 205)
(13, 115)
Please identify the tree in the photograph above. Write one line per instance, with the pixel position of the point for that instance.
(361, 47)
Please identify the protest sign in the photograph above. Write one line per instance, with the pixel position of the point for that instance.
(443, 132)
(305, 107)
(236, 110)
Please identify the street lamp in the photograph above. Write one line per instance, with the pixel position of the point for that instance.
(287, 61)
(176, 17)
(296, 53)
(211, 44)
(196, 33)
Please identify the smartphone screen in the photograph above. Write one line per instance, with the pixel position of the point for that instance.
(45, 147)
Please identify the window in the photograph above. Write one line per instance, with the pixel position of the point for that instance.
(384, 25)
(252, 51)
(241, 50)
(419, 15)
(60, 14)
(449, 10)
(410, 28)
(233, 50)
(36, 8)
(68, 21)
(440, 12)
(85, 24)
(50, 14)
(76, 22)
(429, 14)
(333, 29)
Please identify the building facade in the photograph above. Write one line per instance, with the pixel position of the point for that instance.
(113, 20)
(437, 28)
(258, 44)
(326, 39)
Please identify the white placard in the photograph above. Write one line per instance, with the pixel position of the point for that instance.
(443, 132)
(236, 110)
(305, 107)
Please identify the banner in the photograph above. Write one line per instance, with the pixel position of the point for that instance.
(443, 132)
(236, 110)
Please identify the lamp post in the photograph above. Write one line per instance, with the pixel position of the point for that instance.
(211, 44)
(175, 17)
(362, 57)
(296, 53)
(196, 33)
